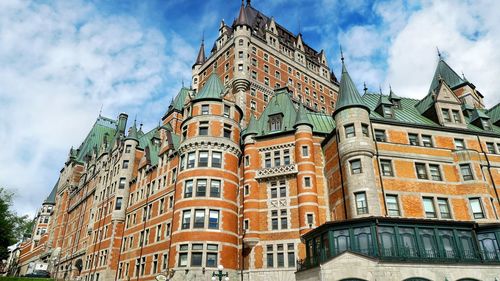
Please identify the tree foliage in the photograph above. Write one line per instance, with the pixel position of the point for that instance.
(12, 226)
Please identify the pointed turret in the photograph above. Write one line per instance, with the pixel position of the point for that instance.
(348, 94)
(252, 127)
(200, 59)
(132, 132)
(242, 17)
(392, 95)
(51, 199)
(447, 74)
(213, 88)
(301, 118)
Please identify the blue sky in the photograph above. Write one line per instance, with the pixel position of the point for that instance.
(62, 60)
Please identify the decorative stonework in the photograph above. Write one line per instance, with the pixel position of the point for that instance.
(201, 143)
(279, 171)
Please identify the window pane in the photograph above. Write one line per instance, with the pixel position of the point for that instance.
(216, 159)
(435, 172)
(349, 131)
(183, 259)
(421, 171)
(201, 188)
(211, 259)
(215, 188)
(186, 219)
(213, 219)
(203, 159)
(429, 208)
(361, 204)
(392, 205)
(444, 208)
(199, 218)
(196, 259)
(191, 159)
(466, 172)
(281, 260)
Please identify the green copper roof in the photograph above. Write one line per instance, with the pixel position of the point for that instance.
(348, 94)
(104, 128)
(252, 127)
(410, 115)
(178, 102)
(132, 132)
(478, 113)
(494, 113)
(213, 88)
(146, 140)
(321, 122)
(425, 103)
(445, 72)
(51, 199)
(383, 100)
(302, 118)
(392, 95)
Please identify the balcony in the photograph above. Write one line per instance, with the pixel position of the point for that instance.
(403, 240)
(279, 171)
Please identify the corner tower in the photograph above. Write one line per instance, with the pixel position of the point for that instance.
(356, 150)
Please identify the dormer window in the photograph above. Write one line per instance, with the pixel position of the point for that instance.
(486, 124)
(275, 122)
(456, 116)
(388, 112)
(446, 115)
(396, 104)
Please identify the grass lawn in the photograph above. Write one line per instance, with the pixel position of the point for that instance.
(24, 279)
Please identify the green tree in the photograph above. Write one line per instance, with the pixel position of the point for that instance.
(12, 226)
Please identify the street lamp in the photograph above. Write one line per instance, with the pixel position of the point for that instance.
(220, 274)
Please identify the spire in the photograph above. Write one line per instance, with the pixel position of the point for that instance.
(365, 89)
(445, 73)
(252, 127)
(201, 53)
(392, 95)
(348, 94)
(249, 3)
(439, 53)
(242, 17)
(132, 132)
(301, 118)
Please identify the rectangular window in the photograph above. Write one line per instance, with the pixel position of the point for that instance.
(310, 219)
(128, 147)
(274, 220)
(444, 208)
(435, 172)
(280, 256)
(183, 259)
(215, 188)
(392, 205)
(201, 188)
(477, 208)
(305, 151)
(191, 159)
(203, 129)
(365, 130)
(125, 164)
(490, 147)
(356, 166)
(118, 204)
(456, 116)
(388, 111)
(212, 250)
(199, 218)
(227, 131)
(277, 158)
(349, 131)
(213, 219)
(122, 183)
(267, 160)
(413, 139)
(307, 182)
(446, 115)
(186, 219)
(380, 135)
(361, 204)
(386, 167)
(247, 189)
(203, 159)
(421, 171)
(291, 255)
(427, 141)
(286, 157)
(459, 144)
(270, 256)
(466, 171)
(227, 111)
(430, 212)
(216, 159)
(188, 189)
(205, 109)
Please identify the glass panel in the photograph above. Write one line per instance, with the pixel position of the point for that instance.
(489, 246)
(215, 188)
(201, 187)
(341, 240)
(409, 243)
(196, 259)
(430, 212)
(216, 159)
(363, 240)
(361, 204)
(213, 220)
(448, 243)
(199, 218)
(211, 259)
(388, 241)
(428, 243)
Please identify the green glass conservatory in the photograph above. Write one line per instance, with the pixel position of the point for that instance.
(404, 240)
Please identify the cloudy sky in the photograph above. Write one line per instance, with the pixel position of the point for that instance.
(62, 61)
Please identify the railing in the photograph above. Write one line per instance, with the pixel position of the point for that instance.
(276, 171)
(405, 254)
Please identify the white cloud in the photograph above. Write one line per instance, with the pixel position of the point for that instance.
(59, 62)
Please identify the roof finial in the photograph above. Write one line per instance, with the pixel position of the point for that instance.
(242, 2)
(380, 89)
(100, 110)
(390, 88)
(365, 89)
(439, 53)
(249, 3)
(463, 75)
(341, 54)
(300, 27)
(182, 82)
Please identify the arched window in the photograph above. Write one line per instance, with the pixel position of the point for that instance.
(240, 42)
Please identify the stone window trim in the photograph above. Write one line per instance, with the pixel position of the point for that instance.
(310, 219)
(307, 182)
(205, 248)
(417, 139)
(287, 252)
(361, 203)
(193, 183)
(459, 144)
(476, 202)
(279, 215)
(437, 212)
(425, 171)
(184, 163)
(466, 172)
(355, 166)
(277, 153)
(207, 224)
(305, 151)
(387, 167)
(398, 208)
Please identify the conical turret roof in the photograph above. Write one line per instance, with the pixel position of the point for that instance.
(301, 118)
(348, 94)
(213, 88)
(132, 133)
(242, 17)
(252, 127)
(200, 59)
(447, 74)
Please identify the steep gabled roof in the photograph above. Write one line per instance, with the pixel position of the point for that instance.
(200, 59)
(103, 130)
(445, 72)
(494, 113)
(145, 141)
(178, 102)
(213, 88)
(348, 94)
(51, 199)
